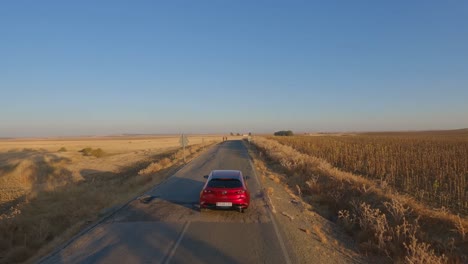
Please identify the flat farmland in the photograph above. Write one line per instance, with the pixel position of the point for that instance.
(52, 188)
(431, 166)
(31, 164)
(116, 144)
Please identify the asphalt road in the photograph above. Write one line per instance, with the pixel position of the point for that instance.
(171, 229)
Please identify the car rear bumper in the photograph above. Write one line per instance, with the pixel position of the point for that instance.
(237, 203)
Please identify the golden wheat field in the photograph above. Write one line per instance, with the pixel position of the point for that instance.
(432, 167)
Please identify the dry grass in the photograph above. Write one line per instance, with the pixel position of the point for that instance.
(382, 221)
(274, 178)
(321, 236)
(270, 191)
(53, 205)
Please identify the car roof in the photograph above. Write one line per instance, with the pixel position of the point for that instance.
(226, 174)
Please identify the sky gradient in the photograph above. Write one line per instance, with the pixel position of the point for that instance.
(86, 68)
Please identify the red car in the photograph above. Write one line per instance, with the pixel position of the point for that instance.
(225, 189)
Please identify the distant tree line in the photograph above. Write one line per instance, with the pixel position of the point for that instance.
(284, 133)
(238, 134)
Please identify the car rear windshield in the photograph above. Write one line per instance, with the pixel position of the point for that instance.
(225, 183)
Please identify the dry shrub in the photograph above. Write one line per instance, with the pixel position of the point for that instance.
(62, 149)
(98, 153)
(86, 151)
(461, 228)
(312, 183)
(397, 209)
(375, 226)
(178, 155)
(165, 162)
(421, 253)
(152, 168)
(346, 220)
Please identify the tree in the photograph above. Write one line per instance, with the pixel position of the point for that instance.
(284, 133)
(232, 134)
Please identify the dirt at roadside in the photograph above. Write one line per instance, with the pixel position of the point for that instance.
(313, 238)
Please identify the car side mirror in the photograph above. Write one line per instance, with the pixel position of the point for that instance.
(206, 176)
(246, 177)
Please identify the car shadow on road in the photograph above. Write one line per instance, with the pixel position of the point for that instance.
(181, 191)
(177, 195)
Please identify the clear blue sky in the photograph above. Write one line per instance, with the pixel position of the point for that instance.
(85, 68)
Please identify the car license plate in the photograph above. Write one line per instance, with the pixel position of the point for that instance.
(223, 204)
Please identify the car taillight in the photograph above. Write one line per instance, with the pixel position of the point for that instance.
(207, 191)
(240, 192)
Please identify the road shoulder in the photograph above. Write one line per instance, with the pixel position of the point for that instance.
(309, 236)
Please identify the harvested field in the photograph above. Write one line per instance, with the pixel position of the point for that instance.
(49, 189)
(32, 165)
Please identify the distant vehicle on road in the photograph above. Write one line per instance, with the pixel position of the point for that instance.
(225, 189)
